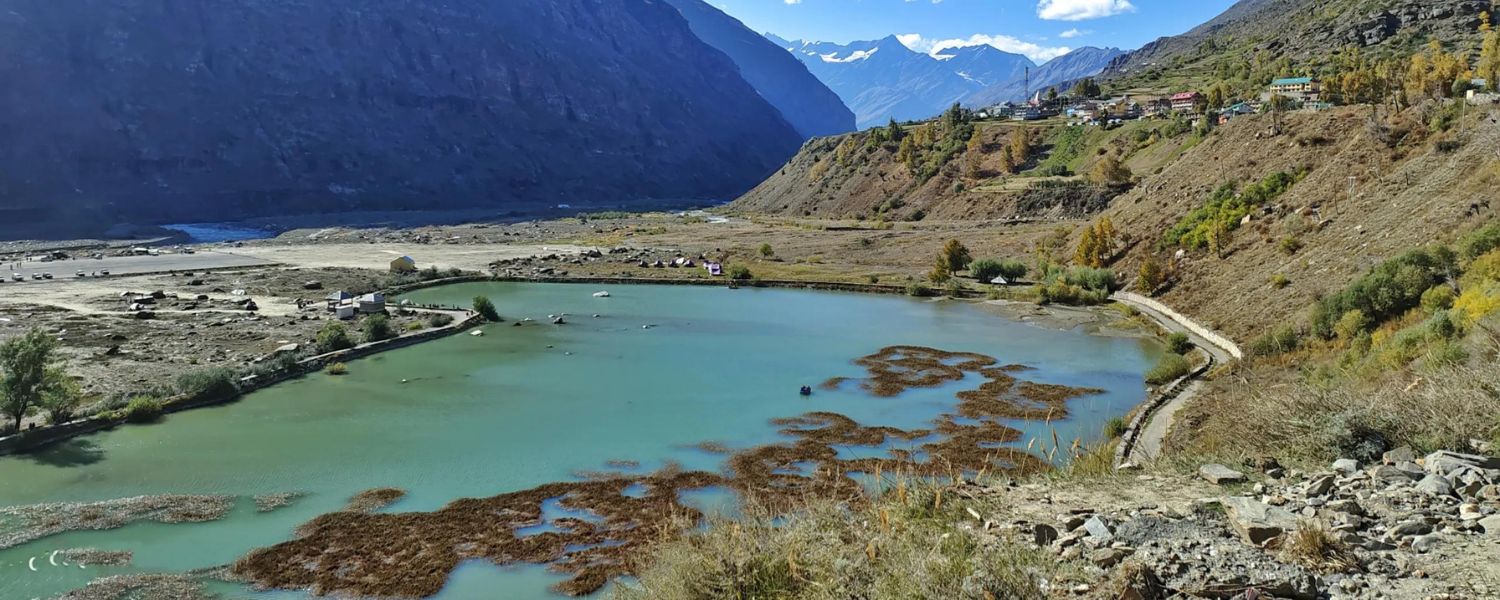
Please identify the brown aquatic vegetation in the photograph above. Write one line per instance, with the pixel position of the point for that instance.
(361, 552)
(370, 501)
(832, 383)
(270, 502)
(96, 557)
(895, 369)
(22, 524)
(129, 587)
(411, 554)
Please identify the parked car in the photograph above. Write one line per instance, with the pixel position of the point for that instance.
(79, 274)
(17, 277)
(46, 276)
(36, 276)
(103, 271)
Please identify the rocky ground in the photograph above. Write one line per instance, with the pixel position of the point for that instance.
(1409, 527)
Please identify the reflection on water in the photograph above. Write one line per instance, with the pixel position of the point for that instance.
(213, 233)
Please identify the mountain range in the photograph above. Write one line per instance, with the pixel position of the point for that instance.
(121, 111)
(884, 79)
(779, 77)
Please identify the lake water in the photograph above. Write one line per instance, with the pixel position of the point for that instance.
(213, 233)
(661, 369)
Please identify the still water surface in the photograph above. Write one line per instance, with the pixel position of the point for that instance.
(661, 369)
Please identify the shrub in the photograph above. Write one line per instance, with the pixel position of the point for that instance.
(1276, 341)
(1114, 427)
(439, 320)
(740, 273)
(1391, 289)
(377, 328)
(1224, 210)
(1478, 302)
(1151, 276)
(1091, 279)
(988, 269)
(1480, 242)
(208, 384)
(337, 368)
(985, 269)
(415, 326)
(1170, 367)
(1178, 343)
(142, 409)
(334, 337)
(1290, 245)
(1280, 281)
(917, 289)
(1351, 324)
(485, 308)
(767, 251)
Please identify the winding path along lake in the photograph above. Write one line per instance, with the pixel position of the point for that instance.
(660, 370)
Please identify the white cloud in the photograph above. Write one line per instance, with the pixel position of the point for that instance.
(1073, 33)
(792, 1)
(1007, 43)
(1081, 10)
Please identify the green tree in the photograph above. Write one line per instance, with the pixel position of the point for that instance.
(376, 328)
(955, 256)
(334, 337)
(767, 251)
(61, 396)
(486, 309)
(940, 272)
(893, 130)
(25, 374)
(1085, 88)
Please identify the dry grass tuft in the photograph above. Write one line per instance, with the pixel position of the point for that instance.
(1314, 546)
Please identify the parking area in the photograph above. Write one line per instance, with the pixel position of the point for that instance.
(68, 269)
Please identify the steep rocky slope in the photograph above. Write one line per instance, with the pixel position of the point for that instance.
(1309, 32)
(1361, 202)
(779, 77)
(140, 110)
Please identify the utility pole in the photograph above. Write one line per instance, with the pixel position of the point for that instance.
(1027, 91)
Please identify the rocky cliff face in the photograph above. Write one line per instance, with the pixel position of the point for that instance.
(175, 110)
(779, 77)
(1307, 31)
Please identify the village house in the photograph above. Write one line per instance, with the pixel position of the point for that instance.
(1186, 101)
(369, 304)
(1297, 88)
(338, 299)
(405, 264)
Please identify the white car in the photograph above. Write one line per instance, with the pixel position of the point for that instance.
(17, 277)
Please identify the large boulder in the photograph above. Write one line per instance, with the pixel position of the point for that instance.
(1220, 474)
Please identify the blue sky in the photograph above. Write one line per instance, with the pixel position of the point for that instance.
(1041, 29)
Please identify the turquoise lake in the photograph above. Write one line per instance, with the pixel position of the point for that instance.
(662, 368)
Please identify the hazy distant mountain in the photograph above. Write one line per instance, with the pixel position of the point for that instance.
(783, 80)
(1080, 63)
(883, 79)
(191, 110)
(984, 64)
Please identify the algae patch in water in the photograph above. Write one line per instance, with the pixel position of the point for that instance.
(22, 524)
(612, 517)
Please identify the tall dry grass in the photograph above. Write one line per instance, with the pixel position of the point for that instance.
(1429, 408)
(903, 545)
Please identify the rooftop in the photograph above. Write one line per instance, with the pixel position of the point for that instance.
(1293, 81)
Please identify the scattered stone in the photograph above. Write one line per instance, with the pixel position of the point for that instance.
(1099, 528)
(1256, 522)
(1388, 475)
(1320, 486)
(1220, 474)
(1346, 465)
(1399, 455)
(1491, 525)
(1436, 485)
(1043, 534)
(1109, 557)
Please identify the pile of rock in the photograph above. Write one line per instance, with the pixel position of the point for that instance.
(1373, 528)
